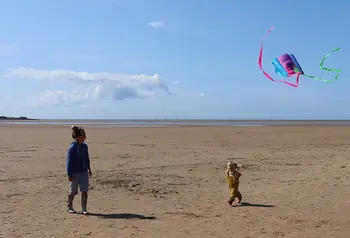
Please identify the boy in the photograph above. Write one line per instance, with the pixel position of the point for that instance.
(78, 169)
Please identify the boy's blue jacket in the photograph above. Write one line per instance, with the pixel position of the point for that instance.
(78, 160)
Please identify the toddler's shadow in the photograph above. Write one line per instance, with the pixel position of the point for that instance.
(247, 204)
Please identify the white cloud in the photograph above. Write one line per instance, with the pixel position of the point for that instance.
(58, 98)
(156, 24)
(95, 86)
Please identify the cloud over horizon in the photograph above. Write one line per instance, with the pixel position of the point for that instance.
(156, 24)
(91, 86)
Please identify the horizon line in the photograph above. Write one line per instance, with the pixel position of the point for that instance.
(192, 119)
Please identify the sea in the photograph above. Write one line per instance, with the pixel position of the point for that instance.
(175, 123)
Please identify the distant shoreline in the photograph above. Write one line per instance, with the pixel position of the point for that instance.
(3, 118)
(171, 120)
(174, 120)
(192, 120)
(110, 123)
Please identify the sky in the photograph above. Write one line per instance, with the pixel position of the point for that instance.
(110, 59)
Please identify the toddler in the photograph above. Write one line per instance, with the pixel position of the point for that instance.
(232, 177)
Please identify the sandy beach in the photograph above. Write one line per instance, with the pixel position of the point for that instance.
(170, 182)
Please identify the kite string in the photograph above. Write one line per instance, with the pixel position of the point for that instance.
(338, 71)
(266, 74)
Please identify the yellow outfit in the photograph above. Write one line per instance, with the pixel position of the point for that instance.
(233, 183)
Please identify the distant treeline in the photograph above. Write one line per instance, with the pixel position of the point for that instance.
(15, 118)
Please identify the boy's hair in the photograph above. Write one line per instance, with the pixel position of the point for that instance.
(77, 131)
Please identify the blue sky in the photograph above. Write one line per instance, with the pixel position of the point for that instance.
(169, 58)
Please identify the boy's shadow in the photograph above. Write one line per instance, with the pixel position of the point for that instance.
(247, 204)
(122, 216)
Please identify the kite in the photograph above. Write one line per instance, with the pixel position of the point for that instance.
(287, 66)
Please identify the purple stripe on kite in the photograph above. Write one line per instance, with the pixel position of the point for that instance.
(297, 64)
(287, 64)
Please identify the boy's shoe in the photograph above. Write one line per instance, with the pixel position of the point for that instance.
(84, 212)
(230, 202)
(70, 210)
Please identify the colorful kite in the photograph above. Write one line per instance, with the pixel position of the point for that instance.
(287, 65)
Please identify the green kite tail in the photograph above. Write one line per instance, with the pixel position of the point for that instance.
(338, 71)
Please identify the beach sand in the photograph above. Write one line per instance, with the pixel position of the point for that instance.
(170, 182)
